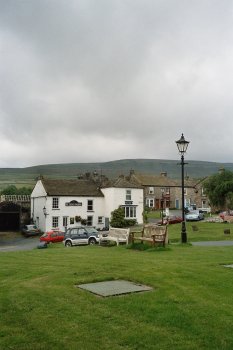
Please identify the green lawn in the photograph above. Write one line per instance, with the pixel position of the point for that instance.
(206, 231)
(190, 306)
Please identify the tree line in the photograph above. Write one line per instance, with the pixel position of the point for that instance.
(13, 190)
(219, 189)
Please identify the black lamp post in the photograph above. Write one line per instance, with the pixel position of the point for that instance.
(182, 145)
(162, 203)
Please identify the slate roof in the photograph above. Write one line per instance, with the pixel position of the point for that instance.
(122, 182)
(71, 188)
(161, 181)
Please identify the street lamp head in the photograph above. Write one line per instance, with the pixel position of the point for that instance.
(44, 211)
(182, 145)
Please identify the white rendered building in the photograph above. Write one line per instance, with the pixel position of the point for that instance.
(60, 203)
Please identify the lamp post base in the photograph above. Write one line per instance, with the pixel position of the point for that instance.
(183, 233)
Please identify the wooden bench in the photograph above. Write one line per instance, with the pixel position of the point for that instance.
(118, 235)
(153, 234)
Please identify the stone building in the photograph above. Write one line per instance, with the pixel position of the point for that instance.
(160, 191)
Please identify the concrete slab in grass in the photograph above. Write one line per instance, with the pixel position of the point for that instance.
(111, 288)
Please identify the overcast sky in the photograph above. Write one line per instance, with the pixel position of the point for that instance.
(100, 80)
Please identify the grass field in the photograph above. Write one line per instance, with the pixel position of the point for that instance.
(190, 306)
(206, 231)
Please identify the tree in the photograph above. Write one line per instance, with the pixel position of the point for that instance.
(9, 190)
(219, 189)
(13, 190)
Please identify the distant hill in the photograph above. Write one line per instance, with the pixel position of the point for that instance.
(27, 176)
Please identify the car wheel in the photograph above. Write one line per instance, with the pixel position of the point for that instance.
(68, 244)
(92, 241)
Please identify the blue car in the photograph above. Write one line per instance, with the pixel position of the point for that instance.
(80, 236)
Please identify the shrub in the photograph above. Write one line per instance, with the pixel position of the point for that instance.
(118, 219)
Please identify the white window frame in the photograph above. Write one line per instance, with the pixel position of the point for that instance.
(90, 205)
(89, 220)
(151, 190)
(130, 212)
(65, 221)
(55, 203)
(167, 190)
(100, 219)
(55, 221)
(128, 195)
(150, 202)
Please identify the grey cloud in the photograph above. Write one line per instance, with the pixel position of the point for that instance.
(129, 76)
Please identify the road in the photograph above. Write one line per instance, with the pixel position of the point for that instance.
(15, 241)
(12, 241)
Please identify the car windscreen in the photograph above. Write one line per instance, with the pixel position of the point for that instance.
(91, 230)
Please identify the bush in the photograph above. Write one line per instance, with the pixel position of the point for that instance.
(118, 219)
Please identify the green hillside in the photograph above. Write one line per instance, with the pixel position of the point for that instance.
(27, 176)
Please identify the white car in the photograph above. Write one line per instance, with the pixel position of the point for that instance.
(30, 230)
(194, 215)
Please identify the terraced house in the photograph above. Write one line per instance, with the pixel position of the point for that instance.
(60, 203)
(160, 191)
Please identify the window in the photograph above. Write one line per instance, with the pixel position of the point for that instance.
(71, 221)
(100, 219)
(81, 231)
(151, 190)
(185, 191)
(55, 204)
(90, 221)
(65, 221)
(74, 232)
(55, 221)
(128, 195)
(167, 191)
(150, 202)
(203, 191)
(130, 212)
(89, 204)
(204, 204)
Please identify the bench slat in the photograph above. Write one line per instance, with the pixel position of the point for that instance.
(153, 234)
(118, 235)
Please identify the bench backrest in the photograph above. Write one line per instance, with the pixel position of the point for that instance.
(119, 232)
(160, 232)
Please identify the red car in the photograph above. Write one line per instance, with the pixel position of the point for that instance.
(172, 219)
(226, 213)
(52, 237)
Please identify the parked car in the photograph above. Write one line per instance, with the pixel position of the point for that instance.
(194, 215)
(204, 210)
(80, 236)
(226, 213)
(30, 230)
(172, 219)
(52, 236)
